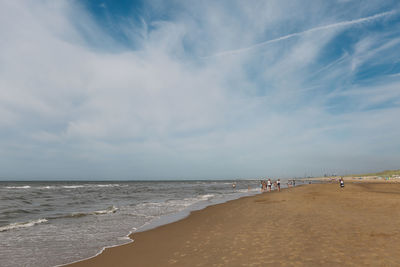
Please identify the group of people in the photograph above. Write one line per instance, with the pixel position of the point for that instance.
(267, 185)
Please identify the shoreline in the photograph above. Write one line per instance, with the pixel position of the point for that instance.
(180, 215)
(144, 229)
(176, 217)
(170, 219)
(165, 221)
(179, 236)
(69, 218)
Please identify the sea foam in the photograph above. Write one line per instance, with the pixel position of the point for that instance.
(22, 225)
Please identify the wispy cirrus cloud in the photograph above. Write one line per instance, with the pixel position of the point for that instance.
(312, 30)
(79, 99)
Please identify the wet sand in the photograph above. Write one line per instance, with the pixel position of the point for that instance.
(312, 225)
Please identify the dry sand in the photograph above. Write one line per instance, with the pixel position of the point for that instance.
(312, 225)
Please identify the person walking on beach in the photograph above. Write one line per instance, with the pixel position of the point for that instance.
(278, 183)
(341, 182)
(269, 185)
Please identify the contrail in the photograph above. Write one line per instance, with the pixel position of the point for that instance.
(330, 26)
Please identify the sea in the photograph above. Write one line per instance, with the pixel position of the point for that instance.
(55, 223)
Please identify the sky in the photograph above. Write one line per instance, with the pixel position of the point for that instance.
(104, 89)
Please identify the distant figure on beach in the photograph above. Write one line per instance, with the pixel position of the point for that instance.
(234, 186)
(278, 183)
(341, 182)
(269, 185)
(294, 182)
(264, 186)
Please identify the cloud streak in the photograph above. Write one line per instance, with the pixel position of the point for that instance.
(312, 30)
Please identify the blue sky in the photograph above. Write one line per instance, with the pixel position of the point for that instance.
(198, 89)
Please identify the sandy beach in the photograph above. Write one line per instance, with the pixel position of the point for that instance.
(311, 225)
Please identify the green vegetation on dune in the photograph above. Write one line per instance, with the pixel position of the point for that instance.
(386, 173)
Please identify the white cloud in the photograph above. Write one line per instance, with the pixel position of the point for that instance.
(160, 112)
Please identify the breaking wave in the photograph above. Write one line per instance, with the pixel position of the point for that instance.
(22, 225)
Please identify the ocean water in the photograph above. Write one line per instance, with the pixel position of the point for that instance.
(54, 223)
